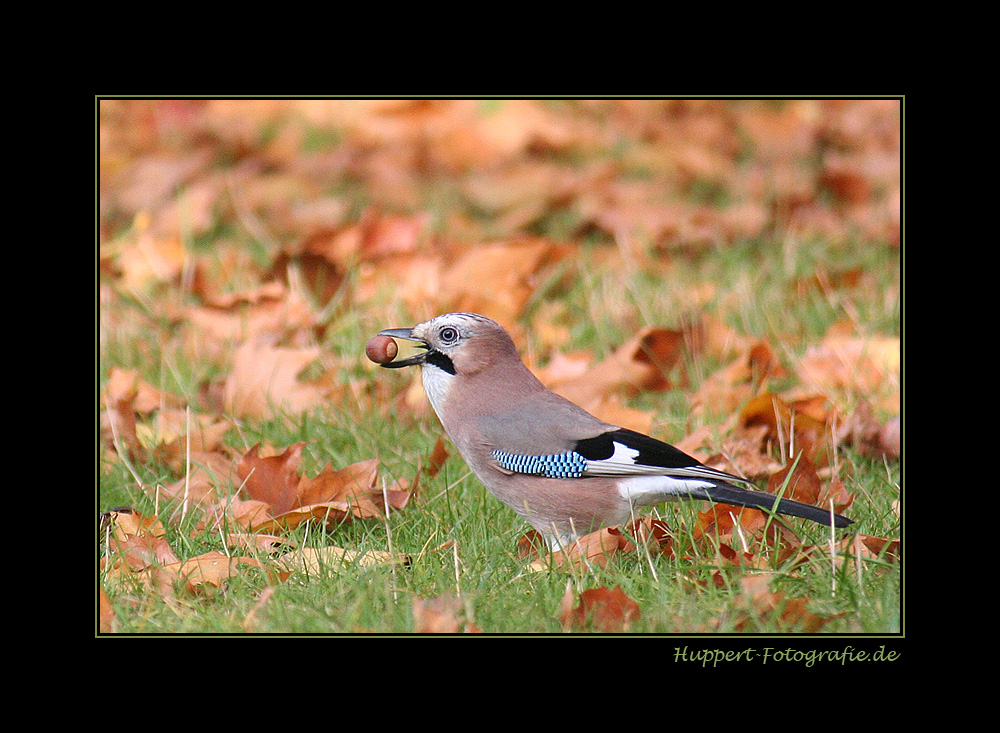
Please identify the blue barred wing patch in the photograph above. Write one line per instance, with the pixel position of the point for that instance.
(555, 465)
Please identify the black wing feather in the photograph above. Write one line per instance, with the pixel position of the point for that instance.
(652, 452)
(760, 500)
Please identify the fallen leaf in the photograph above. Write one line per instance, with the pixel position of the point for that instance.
(264, 380)
(601, 609)
(444, 614)
(207, 571)
(866, 366)
(314, 560)
(273, 480)
(738, 382)
(640, 365)
(758, 606)
(595, 548)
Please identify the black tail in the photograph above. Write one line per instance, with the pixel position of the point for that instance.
(725, 494)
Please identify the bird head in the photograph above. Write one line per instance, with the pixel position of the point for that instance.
(455, 343)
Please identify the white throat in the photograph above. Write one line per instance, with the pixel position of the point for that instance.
(437, 382)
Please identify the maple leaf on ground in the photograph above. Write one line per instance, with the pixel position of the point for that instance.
(203, 485)
(801, 482)
(735, 384)
(851, 549)
(136, 542)
(595, 548)
(497, 278)
(652, 533)
(312, 560)
(146, 257)
(138, 551)
(743, 527)
(444, 614)
(125, 396)
(283, 497)
(867, 366)
(869, 436)
(758, 605)
(208, 571)
(641, 364)
(601, 609)
(264, 380)
(257, 316)
(108, 620)
(273, 480)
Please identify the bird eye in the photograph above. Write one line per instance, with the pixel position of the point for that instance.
(449, 335)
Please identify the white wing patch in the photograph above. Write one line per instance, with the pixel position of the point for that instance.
(622, 463)
(646, 490)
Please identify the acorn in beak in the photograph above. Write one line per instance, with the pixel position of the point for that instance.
(406, 334)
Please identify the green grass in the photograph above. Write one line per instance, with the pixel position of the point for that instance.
(755, 295)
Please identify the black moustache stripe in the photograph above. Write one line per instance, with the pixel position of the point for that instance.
(441, 361)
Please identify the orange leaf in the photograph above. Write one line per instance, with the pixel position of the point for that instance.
(595, 548)
(273, 480)
(444, 614)
(264, 380)
(351, 483)
(604, 610)
(757, 604)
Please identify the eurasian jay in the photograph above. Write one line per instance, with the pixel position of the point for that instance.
(563, 470)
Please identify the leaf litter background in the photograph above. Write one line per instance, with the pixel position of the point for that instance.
(237, 234)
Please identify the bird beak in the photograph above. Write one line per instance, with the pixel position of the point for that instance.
(405, 333)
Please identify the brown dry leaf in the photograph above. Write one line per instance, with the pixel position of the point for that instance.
(126, 385)
(869, 436)
(867, 546)
(783, 418)
(175, 436)
(639, 365)
(601, 609)
(850, 549)
(282, 498)
(323, 257)
(712, 337)
(444, 614)
(801, 482)
(119, 425)
(654, 533)
(150, 257)
(273, 480)
(136, 541)
(727, 389)
(595, 548)
(758, 604)
(125, 396)
(611, 410)
(798, 480)
(264, 380)
(232, 513)
(205, 485)
(744, 453)
(313, 560)
(437, 458)
(108, 621)
(270, 310)
(138, 550)
(866, 366)
(207, 571)
(355, 482)
(497, 278)
(257, 541)
(743, 527)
